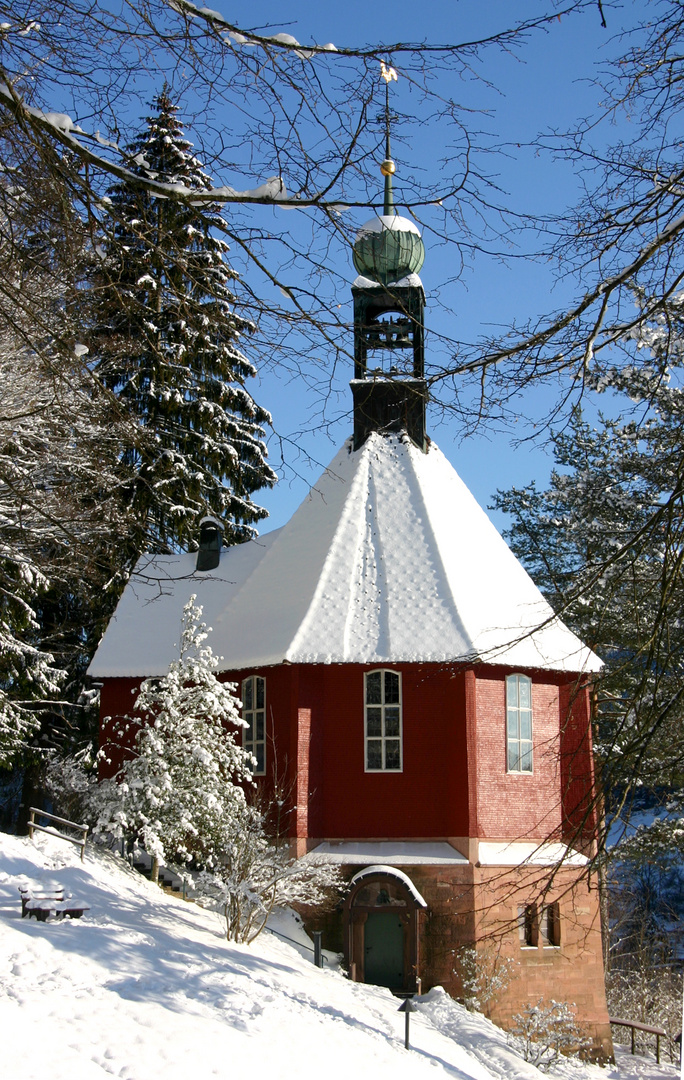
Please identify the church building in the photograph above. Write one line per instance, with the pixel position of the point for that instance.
(408, 686)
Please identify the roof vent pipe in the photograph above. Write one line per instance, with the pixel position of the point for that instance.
(209, 553)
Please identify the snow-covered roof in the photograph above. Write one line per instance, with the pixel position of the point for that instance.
(388, 559)
(411, 280)
(390, 871)
(529, 853)
(390, 852)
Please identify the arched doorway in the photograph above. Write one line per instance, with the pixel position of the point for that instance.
(382, 914)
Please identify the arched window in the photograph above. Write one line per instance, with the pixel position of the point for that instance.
(383, 721)
(519, 723)
(254, 715)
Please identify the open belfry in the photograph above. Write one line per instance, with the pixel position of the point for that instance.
(406, 684)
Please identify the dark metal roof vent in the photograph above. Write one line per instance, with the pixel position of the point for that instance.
(209, 553)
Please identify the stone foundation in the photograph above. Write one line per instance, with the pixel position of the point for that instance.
(480, 906)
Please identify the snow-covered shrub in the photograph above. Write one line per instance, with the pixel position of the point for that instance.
(485, 974)
(646, 906)
(258, 875)
(179, 792)
(71, 783)
(650, 996)
(545, 1031)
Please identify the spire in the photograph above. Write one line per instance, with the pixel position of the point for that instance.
(389, 388)
(387, 167)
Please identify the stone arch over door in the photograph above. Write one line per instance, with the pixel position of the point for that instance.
(382, 913)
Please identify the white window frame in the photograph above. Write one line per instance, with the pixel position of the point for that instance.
(250, 741)
(516, 741)
(380, 712)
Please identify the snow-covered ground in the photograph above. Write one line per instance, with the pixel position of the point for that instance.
(145, 986)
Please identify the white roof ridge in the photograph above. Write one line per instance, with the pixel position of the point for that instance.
(434, 543)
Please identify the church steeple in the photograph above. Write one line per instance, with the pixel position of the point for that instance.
(389, 305)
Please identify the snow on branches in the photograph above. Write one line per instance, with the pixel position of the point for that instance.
(179, 792)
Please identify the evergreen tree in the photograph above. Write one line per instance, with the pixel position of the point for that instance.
(166, 338)
(60, 437)
(605, 543)
(178, 793)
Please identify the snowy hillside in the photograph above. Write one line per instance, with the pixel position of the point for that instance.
(144, 986)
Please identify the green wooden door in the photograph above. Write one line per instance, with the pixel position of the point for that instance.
(384, 950)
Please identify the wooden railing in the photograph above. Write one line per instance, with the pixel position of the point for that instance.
(635, 1026)
(82, 829)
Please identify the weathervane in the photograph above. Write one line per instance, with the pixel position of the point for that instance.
(387, 167)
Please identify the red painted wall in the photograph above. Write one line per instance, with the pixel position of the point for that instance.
(454, 780)
(323, 705)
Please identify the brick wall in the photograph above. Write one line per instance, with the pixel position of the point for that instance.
(514, 805)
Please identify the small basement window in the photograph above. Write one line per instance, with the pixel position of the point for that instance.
(519, 723)
(549, 926)
(528, 929)
(383, 721)
(254, 715)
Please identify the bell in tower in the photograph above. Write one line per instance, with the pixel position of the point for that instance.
(389, 388)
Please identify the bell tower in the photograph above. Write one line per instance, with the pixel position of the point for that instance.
(389, 387)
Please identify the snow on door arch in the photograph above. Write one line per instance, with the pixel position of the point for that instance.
(382, 914)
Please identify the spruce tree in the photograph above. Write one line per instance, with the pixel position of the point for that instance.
(166, 338)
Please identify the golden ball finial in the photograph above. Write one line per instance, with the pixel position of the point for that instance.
(387, 167)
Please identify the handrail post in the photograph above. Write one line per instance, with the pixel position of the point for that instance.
(633, 1034)
(31, 823)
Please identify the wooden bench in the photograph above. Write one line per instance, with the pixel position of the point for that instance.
(45, 900)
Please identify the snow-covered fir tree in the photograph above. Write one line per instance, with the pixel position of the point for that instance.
(60, 439)
(179, 792)
(166, 340)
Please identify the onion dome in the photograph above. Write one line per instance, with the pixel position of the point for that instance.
(388, 247)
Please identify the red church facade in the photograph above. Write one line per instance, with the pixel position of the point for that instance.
(453, 786)
(406, 685)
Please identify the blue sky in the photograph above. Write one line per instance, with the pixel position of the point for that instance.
(545, 84)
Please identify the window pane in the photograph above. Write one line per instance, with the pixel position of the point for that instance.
(521, 923)
(249, 735)
(374, 754)
(513, 758)
(247, 692)
(260, 684)
(373, 721)
(512, 724)
(544, 925)
(524, 692)
(525, 757)
(392, 755)
(260, 758)
(392, 721)
(391, 688)
(260, 726)
(373, 688)
(512, 691)
(525, 725)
